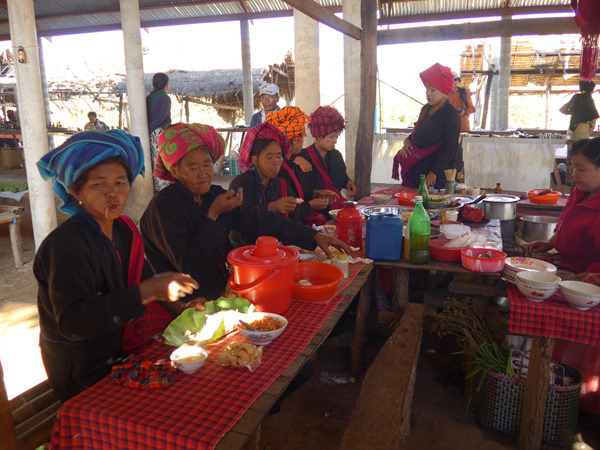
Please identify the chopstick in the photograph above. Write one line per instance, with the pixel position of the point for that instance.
(450, 174)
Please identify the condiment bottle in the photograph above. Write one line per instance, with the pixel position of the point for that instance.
(498, 188)
(342, 262)
(420, 229)
(423, 192)
(349, 225)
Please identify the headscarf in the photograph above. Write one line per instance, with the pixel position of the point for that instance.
(438, 76)
(81, 152)
(181, 138)
(263, 131)
(325, 120)
(291, 120)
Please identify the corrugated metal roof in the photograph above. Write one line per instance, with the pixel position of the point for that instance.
(55, 17)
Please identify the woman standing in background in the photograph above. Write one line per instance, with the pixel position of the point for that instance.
(158, 105)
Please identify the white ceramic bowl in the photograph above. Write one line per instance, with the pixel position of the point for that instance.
(541, 279)
(381, 198)
(535, 293)
(189, 358)
(580, 295)
(334, 212)
(261, 337)
(518, 264)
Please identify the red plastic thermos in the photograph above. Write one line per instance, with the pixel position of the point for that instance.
(349, 225)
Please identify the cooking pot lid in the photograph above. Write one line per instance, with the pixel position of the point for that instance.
(501, 198)
(266, 251)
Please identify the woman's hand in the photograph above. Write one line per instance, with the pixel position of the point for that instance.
(167, 286)
(326, 193)
(197, 303)
(324, 241)
(225, 203)
(430, 179)
(319, 204)
(284, 205)
(406, 149)
(351, 188)
(304, 165)
(537, 247)
(581, 276)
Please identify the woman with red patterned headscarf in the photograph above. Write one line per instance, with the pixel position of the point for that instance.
(432, 146)
(187, 224)
(329, 170)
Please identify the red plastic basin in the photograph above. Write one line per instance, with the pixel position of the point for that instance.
(444, 254)
(405, 198)
(324, 278)
(492, 262)
(547, 199)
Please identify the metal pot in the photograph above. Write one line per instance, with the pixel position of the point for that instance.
(500, 206)
(538, 228)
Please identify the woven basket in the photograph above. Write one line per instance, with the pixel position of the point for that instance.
(502, 397)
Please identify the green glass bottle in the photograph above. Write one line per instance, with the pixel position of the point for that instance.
(420, 229)
(423, 192)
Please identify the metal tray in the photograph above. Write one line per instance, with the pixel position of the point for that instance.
(396, 210)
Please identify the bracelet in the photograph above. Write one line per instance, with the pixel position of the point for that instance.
(145, 301)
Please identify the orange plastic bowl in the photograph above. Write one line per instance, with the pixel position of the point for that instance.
(547, 199)
(405, 198)
(492, 260)
(324, 279)
(444, 254)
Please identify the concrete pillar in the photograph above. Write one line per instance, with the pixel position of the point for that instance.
(136, 100)
(33, 118)
(307, 65)
(504, 82)
(247, 72)
(46, 93)
(351, 13)
(493, 112)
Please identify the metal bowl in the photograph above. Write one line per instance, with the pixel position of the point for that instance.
(390, 209)
(538, 228)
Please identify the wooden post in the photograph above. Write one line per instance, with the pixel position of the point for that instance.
(8, 436)
(368, 89)
(536, 391)
(401, 287)
(486, 100)
(187, 111)
(360, 331)
(121, 110)
(16, 241)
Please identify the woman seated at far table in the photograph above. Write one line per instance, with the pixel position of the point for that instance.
(329, 169)
(95, 293)
(186, 226)
(432, 146)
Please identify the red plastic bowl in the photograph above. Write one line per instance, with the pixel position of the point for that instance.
(444, 254)
(325, 278)
(405, 198)
(494, 262)
(547, 199)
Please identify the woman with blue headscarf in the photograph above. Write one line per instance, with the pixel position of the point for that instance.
(96, 295)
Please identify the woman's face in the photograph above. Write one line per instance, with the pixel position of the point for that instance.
(195, 171)
(105, 192)
(268, 162)
(328, 142)
(586, 174)
(434, 97)
(296, 145)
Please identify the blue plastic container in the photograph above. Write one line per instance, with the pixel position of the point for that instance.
(384, 237)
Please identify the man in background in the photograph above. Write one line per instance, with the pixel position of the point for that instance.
(269, 96)
(460, 98)
(94, 124)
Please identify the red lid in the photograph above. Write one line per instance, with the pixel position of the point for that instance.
(265, 252)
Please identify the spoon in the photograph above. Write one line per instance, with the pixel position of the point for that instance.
(477, 200)
(248, 326)
(544, 192)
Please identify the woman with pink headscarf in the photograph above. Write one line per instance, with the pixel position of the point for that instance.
(432, 146)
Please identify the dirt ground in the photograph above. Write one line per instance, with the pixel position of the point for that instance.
(312, 417)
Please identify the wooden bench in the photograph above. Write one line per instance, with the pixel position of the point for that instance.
(381, 416)
(26, 421)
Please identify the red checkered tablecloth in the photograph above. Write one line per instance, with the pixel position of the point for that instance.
(198, 409)
(553, 317)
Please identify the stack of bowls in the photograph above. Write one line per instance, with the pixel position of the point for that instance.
(537, 286)
(516, 264)
(580, 295)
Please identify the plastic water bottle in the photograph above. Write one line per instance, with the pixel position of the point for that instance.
(423, 192)
(420, 229)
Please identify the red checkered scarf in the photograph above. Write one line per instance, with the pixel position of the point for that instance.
(181, 138)
(263, 131)
(325, 120)
(471, 214)
(438, 76)
(144, 374)
(291, 120)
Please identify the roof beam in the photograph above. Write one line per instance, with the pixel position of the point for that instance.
(323, 15)
(524, 27)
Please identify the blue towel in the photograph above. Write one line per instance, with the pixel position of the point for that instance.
(83, 151)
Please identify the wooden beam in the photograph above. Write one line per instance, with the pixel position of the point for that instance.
(323, 15)
(214, 105)
(524, 27)
(368, 92)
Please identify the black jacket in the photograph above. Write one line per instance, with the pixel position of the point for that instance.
(179, 237)
(83, 302)
(336, 167)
